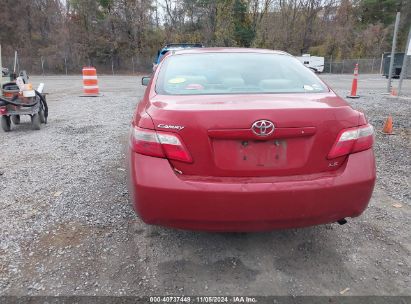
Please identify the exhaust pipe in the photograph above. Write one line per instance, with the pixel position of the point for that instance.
(342, 221)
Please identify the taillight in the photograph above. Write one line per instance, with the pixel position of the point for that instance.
(159, 144)
(146, 142)
(352, 140)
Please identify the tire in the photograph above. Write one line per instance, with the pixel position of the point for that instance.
(35, 122)
(6, 123)
(15, 119)
(42, 117)
(42, 111)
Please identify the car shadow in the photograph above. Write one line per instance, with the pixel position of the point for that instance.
(254, 260)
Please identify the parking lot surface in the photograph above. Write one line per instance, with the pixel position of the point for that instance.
(67, 227)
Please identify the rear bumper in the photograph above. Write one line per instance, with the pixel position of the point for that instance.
(161, 197)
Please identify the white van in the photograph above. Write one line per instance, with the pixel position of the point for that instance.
(313, 62)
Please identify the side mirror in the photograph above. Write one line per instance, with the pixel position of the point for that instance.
(145, 80)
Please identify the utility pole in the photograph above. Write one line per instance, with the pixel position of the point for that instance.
(394, 42)
(15, 62)
(382, 61)
(405, 61)
(1, 70)
(1, 64)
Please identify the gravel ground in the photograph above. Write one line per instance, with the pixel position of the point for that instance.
(67, 227)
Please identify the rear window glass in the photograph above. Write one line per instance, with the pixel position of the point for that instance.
(235, 73)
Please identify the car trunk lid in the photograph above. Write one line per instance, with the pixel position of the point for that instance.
(217, 131)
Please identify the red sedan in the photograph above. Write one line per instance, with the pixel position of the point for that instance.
(246, 140)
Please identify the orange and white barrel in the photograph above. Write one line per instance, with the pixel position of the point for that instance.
(90, 82)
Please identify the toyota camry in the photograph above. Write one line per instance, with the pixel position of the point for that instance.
(246, 140)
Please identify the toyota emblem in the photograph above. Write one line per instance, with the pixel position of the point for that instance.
(262, 127)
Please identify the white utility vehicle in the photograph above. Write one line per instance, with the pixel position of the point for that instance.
(313, 62)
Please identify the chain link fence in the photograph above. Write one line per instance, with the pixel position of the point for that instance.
(346, 66)
(57, 65)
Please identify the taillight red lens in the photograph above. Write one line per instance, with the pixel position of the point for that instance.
(352, 140)
(146, 142)
(174, 147)
(159, 144)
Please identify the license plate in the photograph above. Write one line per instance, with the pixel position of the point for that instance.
(268, 154)
(237, 155)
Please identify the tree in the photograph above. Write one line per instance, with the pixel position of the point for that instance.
(73, 33)
(379, 11)
(243, 30)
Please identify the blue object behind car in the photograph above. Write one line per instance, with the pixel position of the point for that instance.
(174, 47)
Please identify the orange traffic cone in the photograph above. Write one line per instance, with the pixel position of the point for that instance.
(354, 84)
(387, 129)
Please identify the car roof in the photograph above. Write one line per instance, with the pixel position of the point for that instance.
(172, 48)
(184, 44)
(228, 50)
(180, 46)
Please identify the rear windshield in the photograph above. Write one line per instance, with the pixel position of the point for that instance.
(235, 73)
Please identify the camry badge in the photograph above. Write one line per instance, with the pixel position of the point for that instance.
(262, 127)
(164, 126)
